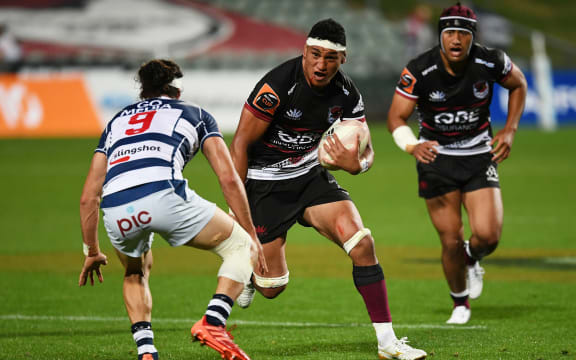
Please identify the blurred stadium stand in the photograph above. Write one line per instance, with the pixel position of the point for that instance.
(226, 36)
(200, 34)
(232, 33)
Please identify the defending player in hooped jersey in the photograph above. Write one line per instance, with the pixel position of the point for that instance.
(164, 134)
(136, 179)
(298, 115)
(455, 111)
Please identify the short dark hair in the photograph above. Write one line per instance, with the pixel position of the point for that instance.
(328, 29)
(155, 77)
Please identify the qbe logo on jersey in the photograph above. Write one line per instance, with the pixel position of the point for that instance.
(457, 117)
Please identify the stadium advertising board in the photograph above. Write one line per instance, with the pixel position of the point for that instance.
(44, 105)
(80, 104)
(564, 100)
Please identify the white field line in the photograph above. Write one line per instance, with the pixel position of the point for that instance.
(234, 321)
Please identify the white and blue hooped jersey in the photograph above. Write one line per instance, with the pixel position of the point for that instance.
(149, 143)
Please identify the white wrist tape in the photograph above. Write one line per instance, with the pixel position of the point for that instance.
(403, 136)
(365, 165)
(85, 249)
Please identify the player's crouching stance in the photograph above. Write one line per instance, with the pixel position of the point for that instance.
(457, 155)
(275, 148)
(137, 172)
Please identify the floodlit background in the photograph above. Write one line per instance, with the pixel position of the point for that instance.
(67, 66)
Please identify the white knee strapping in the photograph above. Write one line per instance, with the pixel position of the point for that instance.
(355, 239)
(235, 253)
(269, 283)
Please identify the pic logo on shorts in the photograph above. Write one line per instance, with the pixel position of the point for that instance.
(126, 224)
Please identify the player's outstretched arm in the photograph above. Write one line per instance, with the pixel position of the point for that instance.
(89, 216)
(398, 115)
(220, 160)
(517, 88)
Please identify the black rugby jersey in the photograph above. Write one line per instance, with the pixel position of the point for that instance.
(455, 110)
(298, 115)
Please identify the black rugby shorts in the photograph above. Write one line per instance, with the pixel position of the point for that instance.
(276, 205)
(448, 173)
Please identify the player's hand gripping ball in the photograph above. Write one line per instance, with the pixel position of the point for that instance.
(348, 132)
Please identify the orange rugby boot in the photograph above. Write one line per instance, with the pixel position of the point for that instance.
(218, 339)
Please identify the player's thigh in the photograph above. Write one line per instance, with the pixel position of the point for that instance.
(214, 232)
(445, 212)
(485, 211)
(338, 221)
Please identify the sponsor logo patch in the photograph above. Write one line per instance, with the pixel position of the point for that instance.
(266, 100)
(407, 81)
(293, 114)
(492, 174)
(125, 225)
(437, 96)
(261, 230)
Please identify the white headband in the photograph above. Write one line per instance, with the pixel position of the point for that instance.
(177, 83)
(458, 17)
(325, 44)
(457, 28)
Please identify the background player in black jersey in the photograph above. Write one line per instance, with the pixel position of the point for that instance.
(457, 156)
(275, 151)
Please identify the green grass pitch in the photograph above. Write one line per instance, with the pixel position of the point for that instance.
(527, 311)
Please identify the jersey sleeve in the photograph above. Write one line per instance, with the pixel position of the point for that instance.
(264, 100)
(502, 66)
(208, 128)
(355, 109)
(103, 142)
(408, 84)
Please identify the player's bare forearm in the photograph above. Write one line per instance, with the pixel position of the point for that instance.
(240, 160)
(90, 203)
(517, 89)
(232, 186)
(235, 196)
(89, 216)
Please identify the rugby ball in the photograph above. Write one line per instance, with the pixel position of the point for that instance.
(348, 132)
